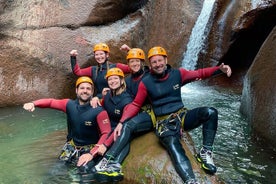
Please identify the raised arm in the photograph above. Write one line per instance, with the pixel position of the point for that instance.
(76, 68)
(47, 103)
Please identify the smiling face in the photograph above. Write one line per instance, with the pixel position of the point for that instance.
(114, 82)
(135, 65)
(158, 64)
(101, 56)
(84, 92)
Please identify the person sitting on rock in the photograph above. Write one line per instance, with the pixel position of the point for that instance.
(138, 125)
(163, 88)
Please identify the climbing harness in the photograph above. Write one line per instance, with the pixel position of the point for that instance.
(170, 125)
(148, 108)
(70, 152)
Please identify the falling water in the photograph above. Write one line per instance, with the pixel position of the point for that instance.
(198, 36)
(256, 3)
(238, 158)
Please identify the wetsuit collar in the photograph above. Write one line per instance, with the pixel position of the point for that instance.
(137, 74)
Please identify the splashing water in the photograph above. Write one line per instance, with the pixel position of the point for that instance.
(256, 3)
(238, 158)
(198, 36)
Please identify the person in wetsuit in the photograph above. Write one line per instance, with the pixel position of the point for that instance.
(163, 88)
(97, 73)
(88, 127)
(137, 125)
(114, 101)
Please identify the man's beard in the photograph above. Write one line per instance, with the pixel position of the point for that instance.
(84, 100)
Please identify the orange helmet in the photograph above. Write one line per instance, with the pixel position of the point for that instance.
(157, 51)
(114, 71)
(135, 53)
(101, 46)
(84, 79)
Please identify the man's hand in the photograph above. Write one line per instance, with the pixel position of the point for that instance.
(225, 69)
(29, 106)
(84, 159)
(95, 102)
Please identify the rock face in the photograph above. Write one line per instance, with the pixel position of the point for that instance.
(37, 36)
(238, 30)
(258, 97)
(234, 24)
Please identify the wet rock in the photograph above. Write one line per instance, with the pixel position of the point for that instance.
(148, 162)
(234, 24)
(25, 78)
(37, 36)
(258, 97)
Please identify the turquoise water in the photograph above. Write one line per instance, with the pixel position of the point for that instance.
(240, 159)
(30, 142)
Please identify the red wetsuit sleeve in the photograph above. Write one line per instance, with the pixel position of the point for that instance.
(192, 75)
(125, 68)
(109, 140)
(82, 72)
(77, 70)
(104, 126)
(52, 103)
(133, 108)
(105, 129)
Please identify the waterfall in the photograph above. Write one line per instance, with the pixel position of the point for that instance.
(198, 36)
(256, 3)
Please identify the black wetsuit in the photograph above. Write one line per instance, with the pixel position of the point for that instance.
(137, 125)
(164, 93)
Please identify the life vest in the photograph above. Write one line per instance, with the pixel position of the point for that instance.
(98, 76)
(165, 95)
(114, 105)
(82, 123)
(133, 80)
